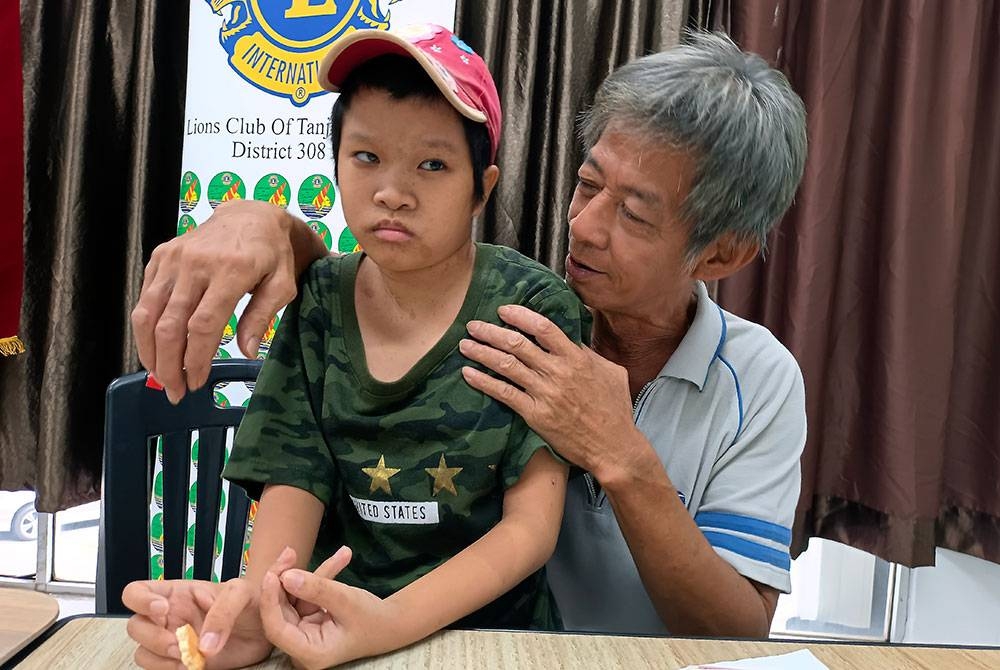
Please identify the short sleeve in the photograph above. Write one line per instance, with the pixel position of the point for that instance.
(279, 440)
(560, 305)
(748, 507)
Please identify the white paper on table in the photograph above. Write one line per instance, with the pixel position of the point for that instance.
(797, 660)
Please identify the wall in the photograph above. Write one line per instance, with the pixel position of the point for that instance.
(955, 602)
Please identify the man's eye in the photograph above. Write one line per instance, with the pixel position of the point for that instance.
(628, 214)
(366, 156)
(586, 187)
(433, 165)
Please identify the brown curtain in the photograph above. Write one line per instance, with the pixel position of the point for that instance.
(884, 279)
(103, 111)
(548, 59)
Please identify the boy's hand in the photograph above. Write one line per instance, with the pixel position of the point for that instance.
(162, 606)
(226, 617)
(332, 623)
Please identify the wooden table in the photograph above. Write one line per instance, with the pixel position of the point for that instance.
(94, 642)
(24, 615)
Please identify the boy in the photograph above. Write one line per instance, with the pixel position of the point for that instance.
(362, 431)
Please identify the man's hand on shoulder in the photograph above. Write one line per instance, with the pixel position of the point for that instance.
(192, 284)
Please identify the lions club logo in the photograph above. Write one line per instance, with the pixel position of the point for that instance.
(277, 45)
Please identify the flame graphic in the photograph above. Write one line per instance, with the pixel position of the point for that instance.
(191, 196)
(322, 200)
(233, 193)
(278, 197)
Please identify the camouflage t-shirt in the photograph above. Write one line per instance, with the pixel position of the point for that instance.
(413, 471)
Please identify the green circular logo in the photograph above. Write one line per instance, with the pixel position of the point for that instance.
(324, 233)
(156, 531)
(272, 188)
(189, 573)
(224, 187)
(221, 400)
(222, 354)
(316, 196)
(265, 342)
(194, 453)
(158, 489)
(185, 225)
(156, 566)
(229, 332)
(190, 542)
(193, 496)
(222, 500)
(347, 244)
(190, 191)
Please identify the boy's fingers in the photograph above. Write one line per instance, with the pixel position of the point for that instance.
(144, 658)
(332, 566)
(328, 569)
(221, 618)
(148, 599)
(279, 630)
(159, 641)
(328, 594)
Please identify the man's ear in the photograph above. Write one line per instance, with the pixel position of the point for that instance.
(490, 177)
(723, 257)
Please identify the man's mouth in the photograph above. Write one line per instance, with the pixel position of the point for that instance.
(577, 269)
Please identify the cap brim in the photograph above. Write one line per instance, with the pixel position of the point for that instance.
(360, 46)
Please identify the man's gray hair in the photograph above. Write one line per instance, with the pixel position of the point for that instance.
(739, 118)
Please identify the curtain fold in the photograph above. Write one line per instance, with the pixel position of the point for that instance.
(11, 184)
(547, 60)
(884, 279)
(103, 104)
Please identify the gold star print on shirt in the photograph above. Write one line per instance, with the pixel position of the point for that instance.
(380, 476)
(443, 477)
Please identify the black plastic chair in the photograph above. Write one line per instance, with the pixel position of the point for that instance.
(135, 415)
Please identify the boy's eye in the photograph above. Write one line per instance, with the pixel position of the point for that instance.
(366, 156)
(432, 165)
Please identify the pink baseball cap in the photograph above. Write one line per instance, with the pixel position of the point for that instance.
(457, 70)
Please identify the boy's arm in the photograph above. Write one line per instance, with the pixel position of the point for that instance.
(286, 517)
(497, 562)
(359, 624)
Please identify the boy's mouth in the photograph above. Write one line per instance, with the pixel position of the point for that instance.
(388, 230)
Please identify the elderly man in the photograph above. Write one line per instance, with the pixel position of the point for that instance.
(686, 422)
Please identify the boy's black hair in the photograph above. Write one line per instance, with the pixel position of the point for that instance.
(402, 78)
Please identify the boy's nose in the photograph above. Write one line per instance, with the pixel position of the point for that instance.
(395, 196)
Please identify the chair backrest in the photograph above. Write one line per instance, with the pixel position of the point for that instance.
(162, 490)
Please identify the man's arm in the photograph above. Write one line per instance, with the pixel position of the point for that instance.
(694, 590)
(580, 403)
(192, 284)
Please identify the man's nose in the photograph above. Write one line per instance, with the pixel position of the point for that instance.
(591, 223)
